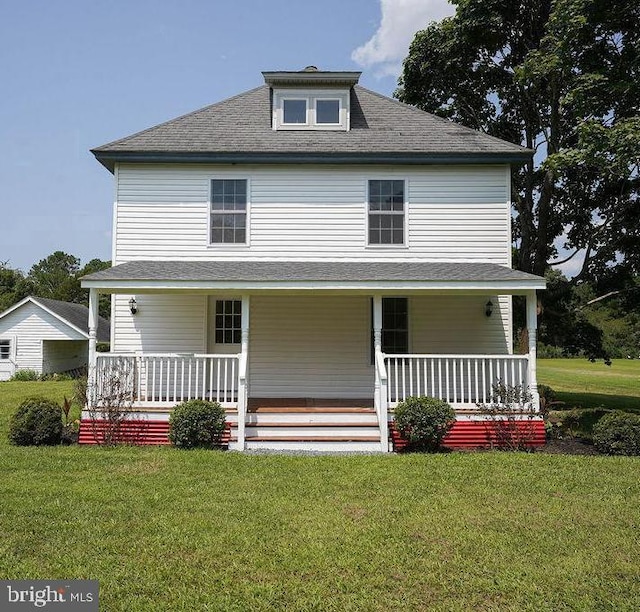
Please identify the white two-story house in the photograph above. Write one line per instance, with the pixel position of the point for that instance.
(309, 253)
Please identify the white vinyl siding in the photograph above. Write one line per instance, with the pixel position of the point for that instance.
(305, 346)
(454, 213)
(447, 324)
(30, 325)
(164, 323)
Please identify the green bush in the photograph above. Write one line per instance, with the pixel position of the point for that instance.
(424, 422)
(37, 421)
(618, 433)
(579, 422)
(197, 423)
(26, 376)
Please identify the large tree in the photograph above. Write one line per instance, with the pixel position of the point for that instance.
(563, 79)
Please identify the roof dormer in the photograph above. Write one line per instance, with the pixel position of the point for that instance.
(311, 99)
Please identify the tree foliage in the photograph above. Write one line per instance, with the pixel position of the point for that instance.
(56, 277)
(560, 77)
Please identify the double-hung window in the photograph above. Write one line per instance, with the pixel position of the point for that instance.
(5, 349)
(386, 211)
(228, 211)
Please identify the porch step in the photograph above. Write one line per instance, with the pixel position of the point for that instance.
(311, 419)
(314, 431)
(312, 409)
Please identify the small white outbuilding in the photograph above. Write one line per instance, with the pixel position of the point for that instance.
(46, 336)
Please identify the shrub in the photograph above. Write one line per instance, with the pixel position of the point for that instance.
(424, 422)
(197, 423)
(26, 376)
(37, 421)
(512, 416)
(618, 433)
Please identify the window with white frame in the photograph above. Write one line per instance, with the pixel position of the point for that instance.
(328, 111)
(311, 110)
(228, 211)
(5, 349)
(228, 321)
(386, 212)
(294, 111)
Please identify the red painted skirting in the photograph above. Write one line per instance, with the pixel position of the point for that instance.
(479, 434)
(137, 432)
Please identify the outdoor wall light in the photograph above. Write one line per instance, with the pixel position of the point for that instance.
(133, 306)
(488, 308)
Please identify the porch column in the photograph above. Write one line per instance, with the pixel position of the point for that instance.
(93, 335)
(380, 385)
(242, 374)
(532, 332)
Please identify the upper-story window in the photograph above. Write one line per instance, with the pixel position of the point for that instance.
(228, 211)
(386, 212)
(328, 111)
(311, 110)
(294, 111)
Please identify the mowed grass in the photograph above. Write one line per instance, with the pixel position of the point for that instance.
(582, 384)
(163, 529)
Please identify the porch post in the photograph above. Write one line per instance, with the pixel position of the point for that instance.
(380, 384)
(532, 331)
(242, 373)
(93, 335)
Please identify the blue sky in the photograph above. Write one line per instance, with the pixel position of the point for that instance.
(76, 74)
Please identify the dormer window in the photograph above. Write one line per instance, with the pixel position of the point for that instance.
(294, 111)
(326, 109)
(311, 99)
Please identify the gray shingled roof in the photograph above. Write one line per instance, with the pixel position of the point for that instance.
(77, 315)
(296, 271)
(239, 129)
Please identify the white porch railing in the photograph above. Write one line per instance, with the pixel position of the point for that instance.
(456, 379)
(163, 378)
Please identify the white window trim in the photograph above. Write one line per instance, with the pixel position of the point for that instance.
(327, 99)
(307, 122)
(405, 243)
(311, 96)
(229, 245)
(12, 348)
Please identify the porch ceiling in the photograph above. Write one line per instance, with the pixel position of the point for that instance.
(207, 276)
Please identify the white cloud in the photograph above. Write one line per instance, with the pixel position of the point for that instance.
(401, 19)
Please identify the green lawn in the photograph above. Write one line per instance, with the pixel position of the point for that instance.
(581, 384)
(163, 529)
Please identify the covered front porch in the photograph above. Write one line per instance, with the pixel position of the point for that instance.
(315, 346)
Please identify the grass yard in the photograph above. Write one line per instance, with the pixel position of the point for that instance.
(581, 384)
(163, 529)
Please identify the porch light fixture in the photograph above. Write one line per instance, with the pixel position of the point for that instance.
(488, 308)
(133, 306)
